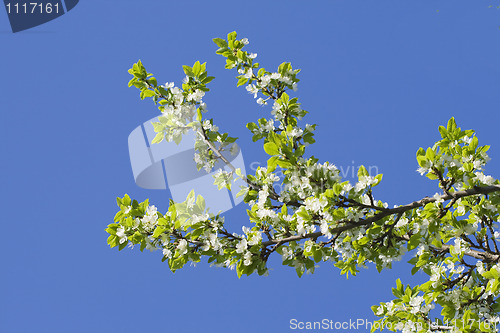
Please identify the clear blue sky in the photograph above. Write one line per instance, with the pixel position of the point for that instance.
(378, 77)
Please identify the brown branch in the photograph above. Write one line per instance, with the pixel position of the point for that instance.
(398, 210)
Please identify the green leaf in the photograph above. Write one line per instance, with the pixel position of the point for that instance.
(443, 132)
(362, 172)
(220, 42)
(284, 163)
(272, 163)
(132, 81)
(448, 312)
(148, 93)
(188, 70)
(317, 254)
(430, 154)
(422, 161)
(271, 149)
(158, 138)
(158, 231)
(197, 68)
(231, 36)
(152, 81)
(452, 125)
(208, 79)
(473, 144)
(241, 81)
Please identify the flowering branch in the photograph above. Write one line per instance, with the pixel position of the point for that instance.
(316, 216)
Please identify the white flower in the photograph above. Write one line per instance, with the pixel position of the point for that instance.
(182, 247)
(485, 156)
(325, 229)
(438, 197)
(252, 89)
(436, 272)
(287, 253)
(241, 246)
(488, 180)
(364, 182)
(480, 267)
(248, 74)
(209, 127)
(490, 207)
(247, 258)
(301, 231)
(176, 91)
(269, 126)
(421, 249)
(252, 55)
(256, 238)
(296, 132)
(347, 187)
(149, 222)
(167, 253)
(151, 210)
(459, 247)
(168, 85)
(286, 80)
(275, 76)
(402, 222)
(245, 41)
(196, 96)
(261, 101)
(120, 232)
(313, 204)
(422, 170)
(416, 301)
(264, 212)
(467, 139)
(264, 81)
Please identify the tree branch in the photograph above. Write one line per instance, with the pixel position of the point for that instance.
(398, 210)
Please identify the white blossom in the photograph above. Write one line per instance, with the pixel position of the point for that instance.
(182, 247)
(261, 101)
(488, 180)
(120, 232)
(252, 89)
(167, 253)
(402, 222)
(247, 258)
(241, 246)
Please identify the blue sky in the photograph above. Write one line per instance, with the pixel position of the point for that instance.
(378, 77)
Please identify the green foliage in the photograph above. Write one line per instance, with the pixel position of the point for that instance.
(317, 216)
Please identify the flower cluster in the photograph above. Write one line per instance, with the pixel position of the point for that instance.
(304, 211)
